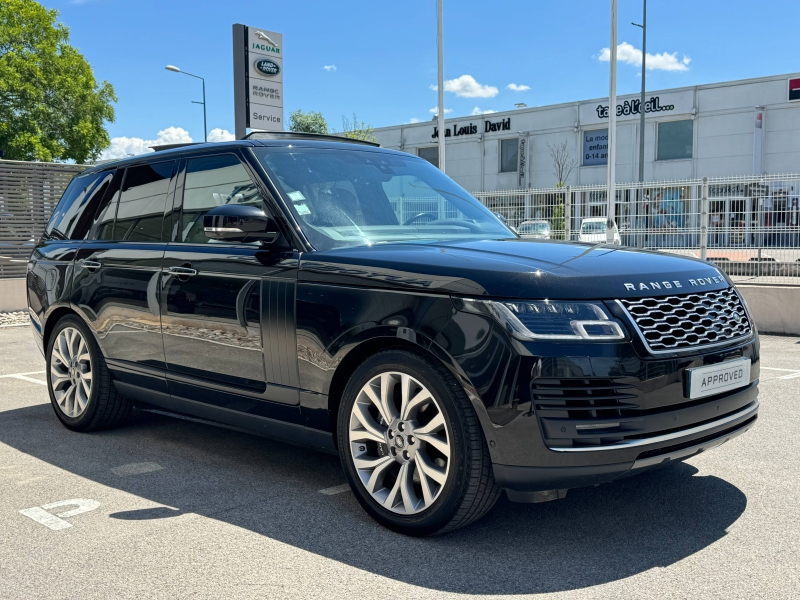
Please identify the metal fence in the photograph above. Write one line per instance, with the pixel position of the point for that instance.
(748, 226)
(29, 191)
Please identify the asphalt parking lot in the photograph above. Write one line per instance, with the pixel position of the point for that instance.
(169, 508)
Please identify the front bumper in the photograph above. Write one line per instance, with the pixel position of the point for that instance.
(682, 445)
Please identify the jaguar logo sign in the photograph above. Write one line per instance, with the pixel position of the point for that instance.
(267, 67)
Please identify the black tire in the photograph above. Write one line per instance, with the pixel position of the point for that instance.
(106, 408)
(469, 491)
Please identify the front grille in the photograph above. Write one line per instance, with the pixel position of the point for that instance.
(689, 322)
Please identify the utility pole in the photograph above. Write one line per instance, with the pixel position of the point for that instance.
(440, 50)
(612, 128)
(641, 102)
(640, 204)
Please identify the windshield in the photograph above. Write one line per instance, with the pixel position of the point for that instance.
(534, 227)
(593, 227)
(354, 197)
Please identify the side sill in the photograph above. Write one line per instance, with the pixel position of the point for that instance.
(214, 415)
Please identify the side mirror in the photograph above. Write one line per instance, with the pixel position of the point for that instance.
(239, 223)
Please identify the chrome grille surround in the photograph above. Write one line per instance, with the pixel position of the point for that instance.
(689, 322)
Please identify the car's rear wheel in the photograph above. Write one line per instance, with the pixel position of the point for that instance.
(81, 391)
(412, 447)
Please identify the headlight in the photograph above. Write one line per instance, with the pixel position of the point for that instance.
(550, 320)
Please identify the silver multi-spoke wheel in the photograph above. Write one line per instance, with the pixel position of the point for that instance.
(399, 443)
(71, 372)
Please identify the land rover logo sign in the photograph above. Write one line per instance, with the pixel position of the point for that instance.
(267, 67)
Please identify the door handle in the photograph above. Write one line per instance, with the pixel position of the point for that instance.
(182, 271)
(90, 265)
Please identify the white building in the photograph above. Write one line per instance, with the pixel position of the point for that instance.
(742, 127)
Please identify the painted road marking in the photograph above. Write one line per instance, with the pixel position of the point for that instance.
(24, 377)
(41, 515)
(136, 468)
(793, 373)
(331, 491)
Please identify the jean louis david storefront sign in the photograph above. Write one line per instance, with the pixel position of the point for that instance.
(457, 129)
(657, 105)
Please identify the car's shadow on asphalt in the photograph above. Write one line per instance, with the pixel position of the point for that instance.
(595, 535)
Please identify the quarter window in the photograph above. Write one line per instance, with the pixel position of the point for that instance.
(675, 140)
(140, 215)
(103, 225)
(212, 181)
(72, 203)
(509, 151)
(430, 154)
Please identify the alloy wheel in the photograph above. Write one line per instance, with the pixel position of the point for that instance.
(399, 443)
(71, 372)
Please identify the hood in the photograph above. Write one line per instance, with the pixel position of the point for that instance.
(514, 268)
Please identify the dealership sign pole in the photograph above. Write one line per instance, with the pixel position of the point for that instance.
(612, 127)
(257, 79)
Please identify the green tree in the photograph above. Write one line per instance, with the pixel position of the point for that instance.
(51, 106)
(307, 122)
(357, 130)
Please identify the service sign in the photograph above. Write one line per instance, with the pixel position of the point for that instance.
(258, 58)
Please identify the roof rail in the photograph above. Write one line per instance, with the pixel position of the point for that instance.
(161, 147)
(282, 135)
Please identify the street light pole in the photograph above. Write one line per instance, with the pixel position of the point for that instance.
(175, 69)
(612, 128)
(440, 58)
(640, 204)
(641, 102)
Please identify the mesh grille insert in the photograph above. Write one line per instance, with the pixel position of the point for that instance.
(690, 321)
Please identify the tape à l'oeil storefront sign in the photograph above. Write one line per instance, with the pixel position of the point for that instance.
(657, 104)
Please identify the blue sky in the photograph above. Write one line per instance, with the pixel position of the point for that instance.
(385, 53)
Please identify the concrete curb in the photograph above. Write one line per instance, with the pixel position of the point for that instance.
(775, 309)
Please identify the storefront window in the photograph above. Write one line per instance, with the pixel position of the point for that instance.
(675, 140)
(508, 155)
(431, 154)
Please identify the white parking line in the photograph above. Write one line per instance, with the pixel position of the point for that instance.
(793, 373)
(339, 489)
(24, 377)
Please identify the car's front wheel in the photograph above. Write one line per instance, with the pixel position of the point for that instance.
(412, 447)
(81, 391)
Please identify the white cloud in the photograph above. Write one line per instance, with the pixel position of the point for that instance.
(435, 110)
(633, 56)
(220, 135)
(126, 146)
(518, 88)
(416, 120)
(477, 111)
(329, 68)
(466, 87)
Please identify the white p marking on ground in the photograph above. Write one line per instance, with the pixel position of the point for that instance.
(40, 514)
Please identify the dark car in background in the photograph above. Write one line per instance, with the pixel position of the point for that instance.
(356, 300)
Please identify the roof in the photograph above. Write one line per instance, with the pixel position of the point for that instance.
(296, 140)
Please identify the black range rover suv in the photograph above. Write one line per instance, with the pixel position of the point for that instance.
(356, 300)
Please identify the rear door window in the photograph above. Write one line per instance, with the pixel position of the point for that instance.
(140, 215)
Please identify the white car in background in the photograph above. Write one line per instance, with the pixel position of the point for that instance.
(593, 230)
(535, 229)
